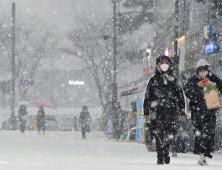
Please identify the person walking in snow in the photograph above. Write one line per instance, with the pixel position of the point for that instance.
(22, 117)
(41, 120)
(203, 119)
(132, 116)
(119, 122)
(165, 104)
(84, 121)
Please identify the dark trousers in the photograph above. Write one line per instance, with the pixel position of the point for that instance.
(204, 138)
(174, 141)
(163, 140)
(22, 125)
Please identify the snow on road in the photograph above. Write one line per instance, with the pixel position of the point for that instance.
(67, 150)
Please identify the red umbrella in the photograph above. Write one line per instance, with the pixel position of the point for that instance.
(42, 103)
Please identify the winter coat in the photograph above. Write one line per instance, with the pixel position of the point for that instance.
(84, 119)
(197, 105)
(164, 98)
(41, 119)
(22, 113)
(131, 118)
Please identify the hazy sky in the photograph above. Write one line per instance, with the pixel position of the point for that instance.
(62, 13)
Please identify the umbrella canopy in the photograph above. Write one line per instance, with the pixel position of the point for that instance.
(42, 103)
(23, 103)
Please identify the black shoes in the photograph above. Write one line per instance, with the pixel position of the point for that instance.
(160, 162)
(167, 160)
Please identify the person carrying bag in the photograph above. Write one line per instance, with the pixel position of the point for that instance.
(203, 91)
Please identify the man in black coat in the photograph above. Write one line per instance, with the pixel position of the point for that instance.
(84, 121)
(203, 119)
(165, 104)
(22, 117)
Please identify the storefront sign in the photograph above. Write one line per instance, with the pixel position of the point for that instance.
(109, 131)
(146, 71)
(72, 82)
(212, 48)
(206, 31)
(109, 125)
(168, 52)
(140, 120)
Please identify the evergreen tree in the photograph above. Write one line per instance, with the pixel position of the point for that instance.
(215, 7)
(133, 20)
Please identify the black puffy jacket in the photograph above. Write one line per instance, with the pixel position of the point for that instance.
(164, 98)
(197, 105)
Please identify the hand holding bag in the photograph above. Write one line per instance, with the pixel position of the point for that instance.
(212, 97)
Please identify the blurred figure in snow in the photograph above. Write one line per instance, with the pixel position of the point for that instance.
(41, 120)
(204, 120)
(131, 119)
(84, 121)
(22, 117)
(165, 104)
(119, 122)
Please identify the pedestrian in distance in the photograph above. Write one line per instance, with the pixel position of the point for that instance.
(84, 121)
(203, 119)
(164, 103)
(119, 122)
(41, 120)
(22, 117)
(132, 116)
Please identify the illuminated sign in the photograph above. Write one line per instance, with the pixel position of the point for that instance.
(206, 31)
(212, 48)
(72, 82)
(168, 52)
(146, 71)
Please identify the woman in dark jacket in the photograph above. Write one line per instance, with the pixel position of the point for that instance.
(165, 104)
(204, 120)
(41, 120)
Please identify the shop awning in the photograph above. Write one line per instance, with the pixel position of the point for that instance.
(133, 91)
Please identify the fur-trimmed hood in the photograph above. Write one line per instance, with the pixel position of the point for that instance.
(159, 60)
(200, 63)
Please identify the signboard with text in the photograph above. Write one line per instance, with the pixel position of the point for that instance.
(27, 82)
(140, 120)
(72, 82)
(212, 48)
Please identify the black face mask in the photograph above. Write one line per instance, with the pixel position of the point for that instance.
(201, 68)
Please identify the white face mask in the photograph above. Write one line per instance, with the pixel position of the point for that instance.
(203, 73)
(164, 67)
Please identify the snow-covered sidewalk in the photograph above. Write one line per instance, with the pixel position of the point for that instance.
(67, 150)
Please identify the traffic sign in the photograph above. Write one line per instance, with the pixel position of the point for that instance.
(27, 82)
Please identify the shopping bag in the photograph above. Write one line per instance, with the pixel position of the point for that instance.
(212, 97)
(146, 134)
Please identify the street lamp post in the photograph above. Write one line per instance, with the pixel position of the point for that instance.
(12, 119)
(114, 89)
(176, 56)
(114, 84)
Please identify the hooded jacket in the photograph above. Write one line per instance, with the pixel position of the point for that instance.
(197, 105)
(164, 98)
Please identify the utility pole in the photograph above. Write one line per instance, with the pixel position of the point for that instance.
(114, 95)
(13, 69)
(176, 57)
